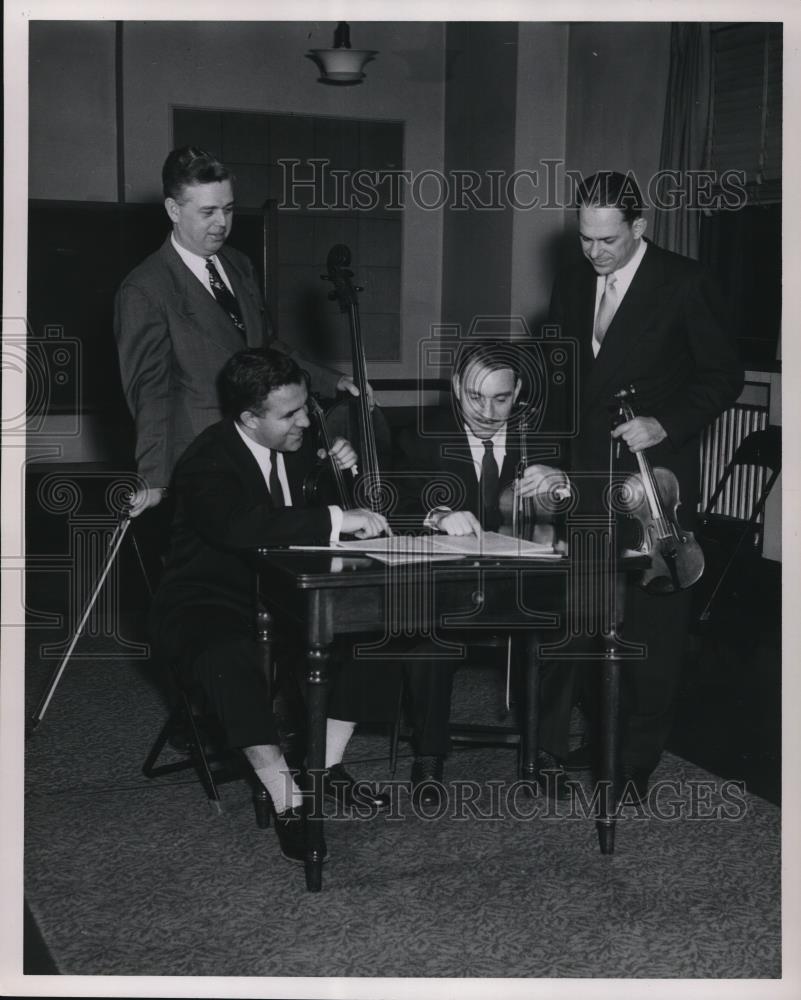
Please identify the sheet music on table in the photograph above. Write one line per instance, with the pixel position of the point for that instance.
(411, 548)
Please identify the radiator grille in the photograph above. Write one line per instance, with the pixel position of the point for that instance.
(718, 444)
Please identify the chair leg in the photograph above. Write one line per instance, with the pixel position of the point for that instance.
(149, 767)
(394, 736)
(199, 757)
(201, 762)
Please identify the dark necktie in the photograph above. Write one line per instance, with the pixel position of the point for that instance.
(221, 293)
(489, 487)
(276, 493)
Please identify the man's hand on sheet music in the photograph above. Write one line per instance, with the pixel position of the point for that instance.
(455, 522)
(364, 523)
(542, 481)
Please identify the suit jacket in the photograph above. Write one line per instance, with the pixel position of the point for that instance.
(223, 511)
(173, 339)
(669, 338)
(437, 470)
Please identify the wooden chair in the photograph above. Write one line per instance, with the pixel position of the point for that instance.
(490, 647)
(197, 735)
(185, 727)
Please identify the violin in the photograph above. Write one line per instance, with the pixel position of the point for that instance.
(532, 518)
(372, 436)
(652, 498)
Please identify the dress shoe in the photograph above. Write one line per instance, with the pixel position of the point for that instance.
(551, 777)
(427, 788)
(290, 826)
(344, 789)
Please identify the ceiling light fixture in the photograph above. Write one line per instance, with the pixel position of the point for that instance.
(342, 65)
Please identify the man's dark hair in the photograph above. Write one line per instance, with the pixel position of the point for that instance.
(248, 378)
(190, 165)
(490, 354)
(609, 189)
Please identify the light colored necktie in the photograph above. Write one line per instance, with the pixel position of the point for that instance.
(606, 309)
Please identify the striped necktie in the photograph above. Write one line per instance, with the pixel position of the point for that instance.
(222, 294)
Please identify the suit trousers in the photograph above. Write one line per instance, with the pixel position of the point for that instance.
(215, 648)
(429, 684)
(648, 684)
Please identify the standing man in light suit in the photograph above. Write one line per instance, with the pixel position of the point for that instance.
(645, 317)
(182, 313)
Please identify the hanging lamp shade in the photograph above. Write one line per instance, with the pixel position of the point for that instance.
(342, 64)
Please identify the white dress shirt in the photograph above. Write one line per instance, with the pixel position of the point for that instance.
(477, 448)
(264, 456)
(197, 265)
(477, 452)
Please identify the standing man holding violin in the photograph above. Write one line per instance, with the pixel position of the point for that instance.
(650, 319)
(469, 454)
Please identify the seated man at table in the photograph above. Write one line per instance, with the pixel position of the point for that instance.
(471, 449)
(238, 487)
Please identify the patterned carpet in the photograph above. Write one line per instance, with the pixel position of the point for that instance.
(126, 876)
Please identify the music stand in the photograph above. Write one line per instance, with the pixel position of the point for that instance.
(113, 548)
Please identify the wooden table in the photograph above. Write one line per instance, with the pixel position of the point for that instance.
(330, 595)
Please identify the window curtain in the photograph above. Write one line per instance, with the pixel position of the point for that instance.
(685, 131)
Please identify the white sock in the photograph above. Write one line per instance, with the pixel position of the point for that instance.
(273, 772)
(337, 737)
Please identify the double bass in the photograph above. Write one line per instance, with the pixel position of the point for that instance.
(352, 418)
(651, 497)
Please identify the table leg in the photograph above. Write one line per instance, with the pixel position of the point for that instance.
(317, 658)
(610, 709)
(265, 634)
(529, 730)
